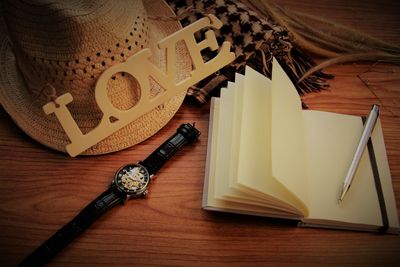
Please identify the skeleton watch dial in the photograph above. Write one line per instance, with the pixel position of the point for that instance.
(132, 179)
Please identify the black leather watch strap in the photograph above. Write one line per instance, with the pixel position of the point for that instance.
(186, 133)
(74, 228)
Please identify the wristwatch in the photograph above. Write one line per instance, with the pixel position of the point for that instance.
(130, 181)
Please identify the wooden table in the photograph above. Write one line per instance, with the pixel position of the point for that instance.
(41, 190)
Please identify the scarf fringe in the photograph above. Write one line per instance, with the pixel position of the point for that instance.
(295, 66)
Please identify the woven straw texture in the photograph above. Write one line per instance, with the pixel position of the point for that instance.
(47, 50)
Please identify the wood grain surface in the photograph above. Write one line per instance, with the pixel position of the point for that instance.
(41, 190)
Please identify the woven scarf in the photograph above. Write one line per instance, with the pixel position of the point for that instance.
(255, 41)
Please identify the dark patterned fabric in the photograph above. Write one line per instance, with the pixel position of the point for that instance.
(255, 41)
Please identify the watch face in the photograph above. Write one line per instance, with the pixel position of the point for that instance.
(132, 179)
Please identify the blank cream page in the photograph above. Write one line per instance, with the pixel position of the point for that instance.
(227, 187)
(254, 164)
(224, 143)
(211, 203)
(331, 142)
(236, 129)
(288, 149)
(227, 146)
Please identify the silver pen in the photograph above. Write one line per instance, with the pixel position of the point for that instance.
(369, 126)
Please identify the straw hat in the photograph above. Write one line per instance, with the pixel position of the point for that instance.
(48, 48)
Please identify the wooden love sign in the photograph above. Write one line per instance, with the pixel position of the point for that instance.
(80, 142)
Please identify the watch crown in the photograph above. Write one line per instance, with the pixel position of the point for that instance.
(145, 193)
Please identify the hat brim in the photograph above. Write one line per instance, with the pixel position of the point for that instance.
(29, 116)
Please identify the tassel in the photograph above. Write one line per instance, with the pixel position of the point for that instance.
(339, 43)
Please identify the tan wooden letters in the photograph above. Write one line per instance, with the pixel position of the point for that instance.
(80, 142)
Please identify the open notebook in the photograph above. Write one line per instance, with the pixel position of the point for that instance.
(268, 157)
